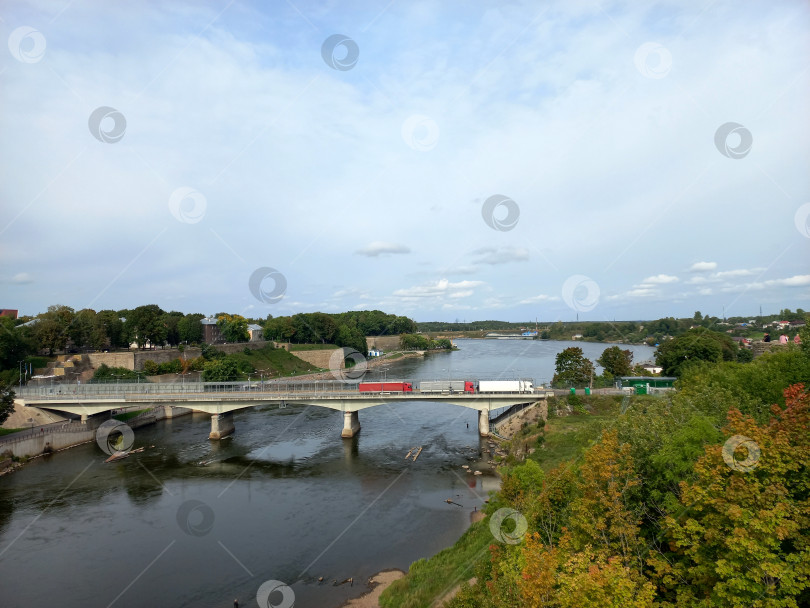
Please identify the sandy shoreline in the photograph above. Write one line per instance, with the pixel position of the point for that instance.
(378, 583)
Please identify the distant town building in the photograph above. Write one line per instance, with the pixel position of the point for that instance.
(256, 332)
(8, 312)
(211, 331)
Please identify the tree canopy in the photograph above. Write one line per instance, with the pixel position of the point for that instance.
(572, 368)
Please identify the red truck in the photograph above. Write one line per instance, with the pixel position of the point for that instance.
(386, 387)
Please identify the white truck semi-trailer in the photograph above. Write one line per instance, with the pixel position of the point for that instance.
(442, 386)
(505, 386)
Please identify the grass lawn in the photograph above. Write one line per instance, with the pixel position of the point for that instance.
(9, 431)
(274, 362)
(429, 579)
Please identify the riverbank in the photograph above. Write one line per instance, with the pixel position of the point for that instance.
(378, 583)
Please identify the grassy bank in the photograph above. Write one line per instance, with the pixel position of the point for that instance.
(430, 579)
(274, 362)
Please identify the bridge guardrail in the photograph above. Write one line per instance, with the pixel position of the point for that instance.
(262, 390)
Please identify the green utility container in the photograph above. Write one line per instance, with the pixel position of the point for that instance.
(641, 389)
(573, 391)
(587, 390)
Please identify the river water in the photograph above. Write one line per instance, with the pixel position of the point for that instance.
(194, 522)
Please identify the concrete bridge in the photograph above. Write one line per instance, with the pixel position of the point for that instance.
(221, 399)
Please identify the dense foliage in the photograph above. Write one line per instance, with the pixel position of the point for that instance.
(695, 345)
(700, 498)
(419, 342)
(347, 327)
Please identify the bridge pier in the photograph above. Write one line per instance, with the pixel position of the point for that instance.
(221, 425)
(483, 423)
(351, 424)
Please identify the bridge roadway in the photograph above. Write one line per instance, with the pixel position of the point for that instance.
(223, 398)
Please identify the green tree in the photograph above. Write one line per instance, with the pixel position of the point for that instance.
(697, 344)
(742, 536)
(572, 368)
(171, 320)
(51, 331)
(109, 330)
(233, 328)
(145, 325)
(351, 338)
(80, 329)
(190, 329)
(616, 361)
(15, 344)
(6, 403)
(220, 370)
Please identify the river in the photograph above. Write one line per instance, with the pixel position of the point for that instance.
(194, 522)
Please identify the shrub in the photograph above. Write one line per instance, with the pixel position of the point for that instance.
(175, 366)
(151, 368)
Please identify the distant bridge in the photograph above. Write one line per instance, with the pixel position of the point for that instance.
(221, 399)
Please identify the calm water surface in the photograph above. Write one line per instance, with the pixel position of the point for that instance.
(193, 522)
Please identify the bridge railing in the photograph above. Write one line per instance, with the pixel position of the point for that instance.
(262, 389)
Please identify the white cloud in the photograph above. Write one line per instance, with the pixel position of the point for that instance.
(22, 278)
(742, 272)
(799, 280)
(502, 255)
(703, 266)
(378, 248)
(439, 288)
(660, 279)
(539, 298)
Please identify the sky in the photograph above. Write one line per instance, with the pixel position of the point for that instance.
(440, 160)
